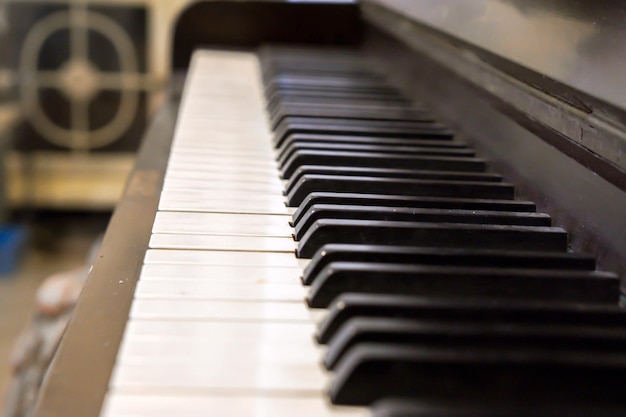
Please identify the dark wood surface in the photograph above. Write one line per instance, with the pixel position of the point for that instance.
(253, 23)
(577, 119)
(576, 43)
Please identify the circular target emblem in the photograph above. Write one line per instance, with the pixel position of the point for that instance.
(79, 80)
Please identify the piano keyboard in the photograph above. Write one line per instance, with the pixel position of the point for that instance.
(218, 325)
(430, 290)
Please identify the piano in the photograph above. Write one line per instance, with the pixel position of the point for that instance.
(428, 223)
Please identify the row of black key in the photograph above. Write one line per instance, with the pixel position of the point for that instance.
(442, 288)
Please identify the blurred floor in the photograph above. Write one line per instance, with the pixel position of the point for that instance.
(59, 241)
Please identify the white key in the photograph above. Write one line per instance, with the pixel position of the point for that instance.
(219, 175)
(269, 332)
(253, 337)
(216, 194)
(234, 273)
(261, 169)
(239, 369)
(242, 150)
(223, 310)
(240, 184)
(211, 290)
(224, 206)
(220, 161)
(222, 140)
(249, 346)
(223, 242)
(220, 257)
(226, 185)
(225, 143)
(210, 170)
(222, 223)
(229, 126)
(122, 404)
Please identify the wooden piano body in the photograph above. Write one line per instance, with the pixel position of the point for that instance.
(536, 87)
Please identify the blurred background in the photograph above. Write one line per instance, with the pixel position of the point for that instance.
(79, 81)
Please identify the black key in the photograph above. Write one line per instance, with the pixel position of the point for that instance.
(432, 334)
(380, 160)
(370, 372)
(323, 82)
(311, 55)
(444, 235)
(331, 211)
(397, 125)
(289, 151)
(275, 67)
(381, 90)
(402, 407)
(280, 113)
(346, 61)
(443, 256)
(345, 107)
(463, 282)
(293, 69)
(324, 53)
(417, 174)
(327, 56)
(331, 127)
(333, 57)
(335, 98)
(349, 109)
(351, 305)
(324, 59)
(368, 140)
(351, 112)
(394, 186)
(410, 201)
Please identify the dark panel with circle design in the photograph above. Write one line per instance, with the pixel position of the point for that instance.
(68, 61)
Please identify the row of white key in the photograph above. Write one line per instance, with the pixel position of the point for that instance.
(218, 325)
